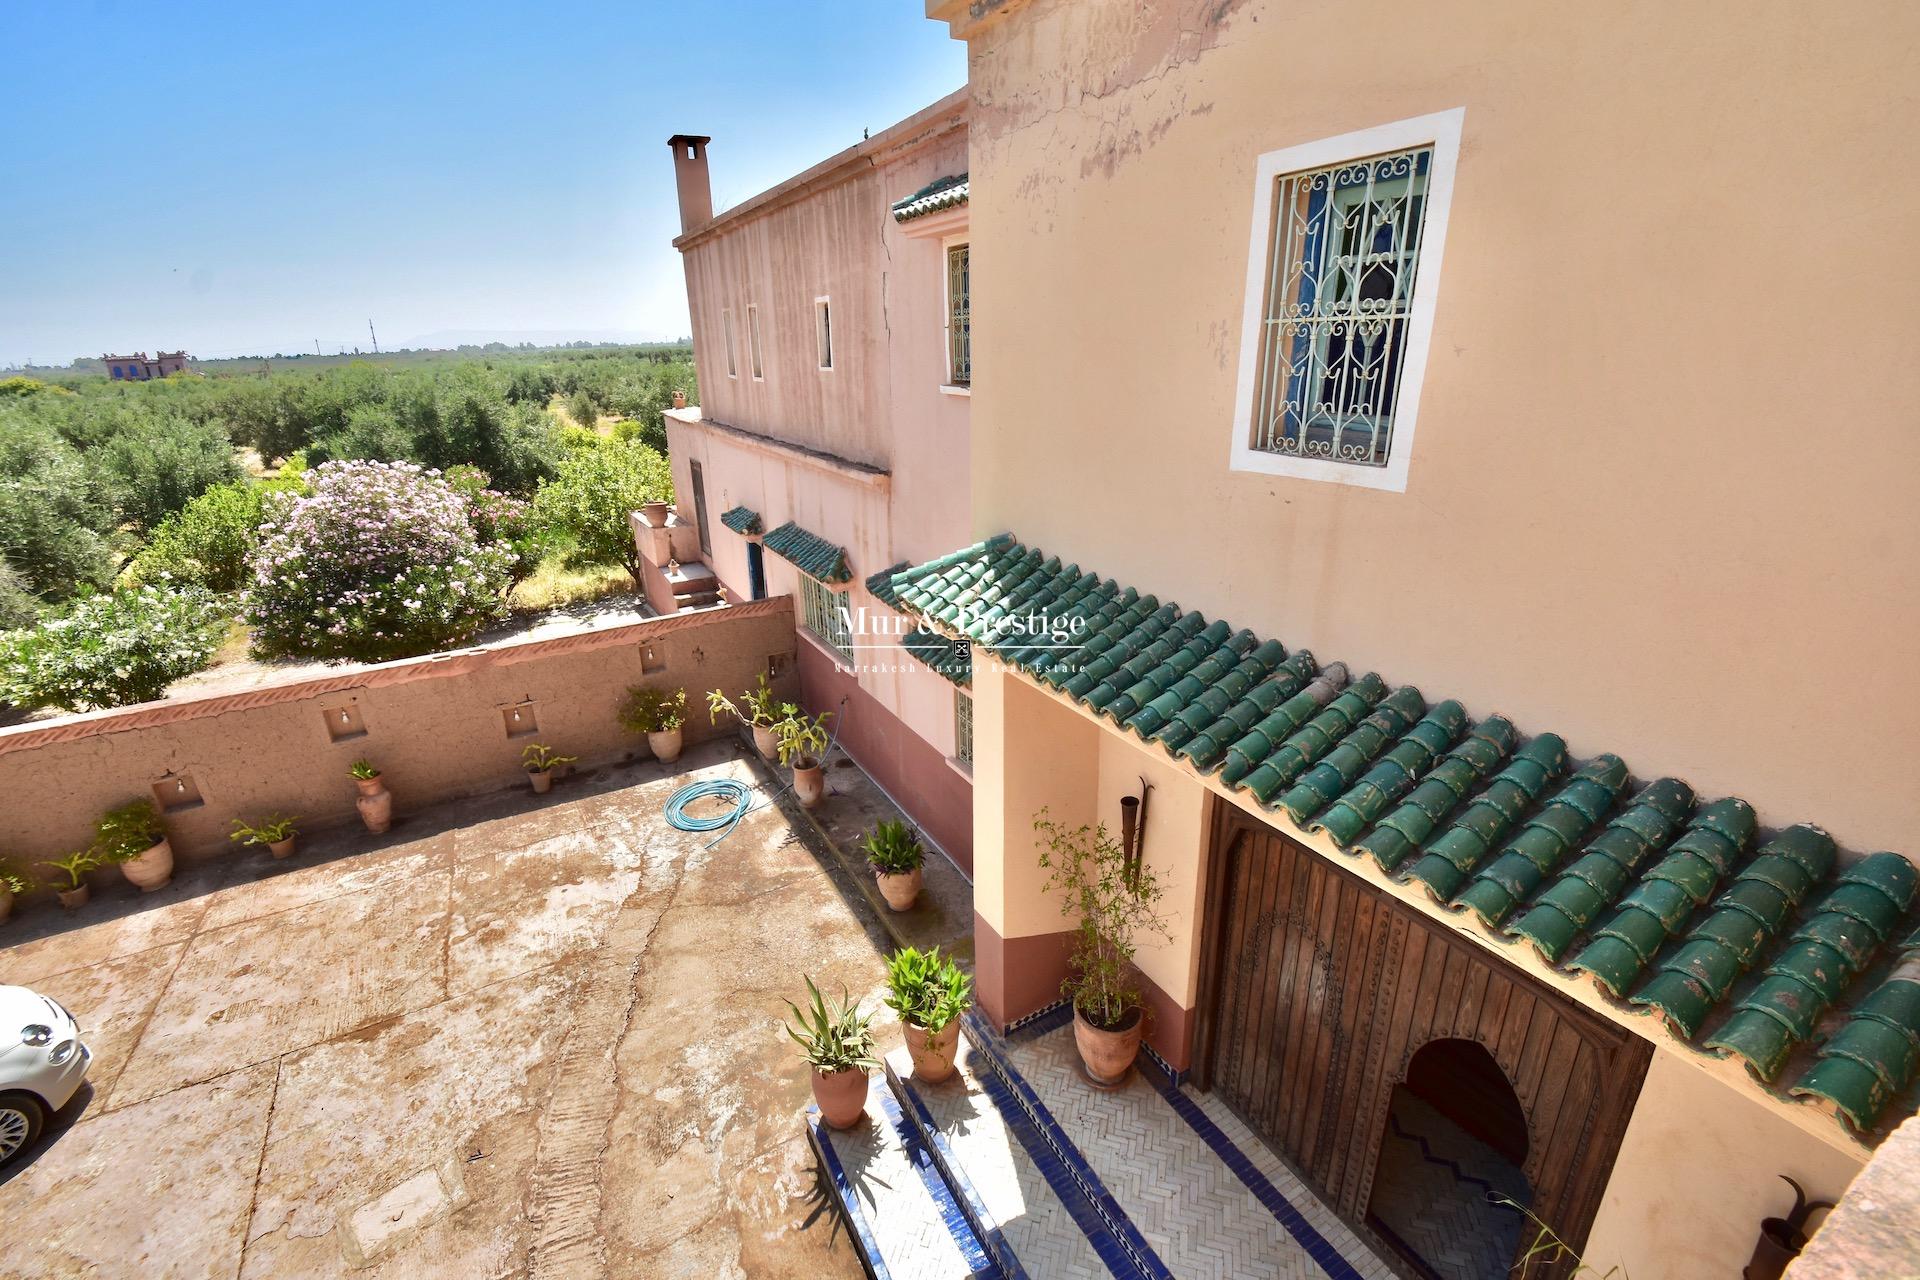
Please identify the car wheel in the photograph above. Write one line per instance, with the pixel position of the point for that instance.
(22, 1117)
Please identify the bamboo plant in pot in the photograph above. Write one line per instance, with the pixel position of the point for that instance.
(72, 884)
(929, 992)
(802, 744)
(836, 1039)
(540, 762)
(661, 714)
(12, 884)
(1114, 903)
(374, 802)
(896, 856)
(276, 833)
(133, 839)
(756, 710)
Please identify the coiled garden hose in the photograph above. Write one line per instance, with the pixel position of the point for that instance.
(738, 794)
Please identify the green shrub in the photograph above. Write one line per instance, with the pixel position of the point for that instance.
(159, 463)
(18, 607)
(588, 502)
(379, 561)
(111, 650)
(209, 542)
(52, 522)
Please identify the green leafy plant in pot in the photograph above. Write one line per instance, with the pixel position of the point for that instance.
(1113, 904)
(72, 884)
(929, 992)
(836, 1039)
(374, 802)
(540, 762)
(802, 744)
(896, 855)
(661, 714)
(275, 832)
(756, 710)
(133, 839)
(12, 885)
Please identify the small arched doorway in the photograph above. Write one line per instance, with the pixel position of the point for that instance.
(1450, 1167)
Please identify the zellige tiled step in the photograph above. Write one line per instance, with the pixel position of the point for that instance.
(900, 1213)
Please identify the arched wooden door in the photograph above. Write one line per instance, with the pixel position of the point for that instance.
(1318, 991)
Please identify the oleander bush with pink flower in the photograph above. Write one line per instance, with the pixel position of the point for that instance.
(380, 560)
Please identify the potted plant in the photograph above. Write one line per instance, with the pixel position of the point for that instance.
(12, 884)
(375, 802)
(658, 713)
(132, 838)
(759, 715)
(540, 762)
(929, 992)
(1114, 902)
(276, 833)
(654, 513)
(837, 1042)
(802, 743)
(896, 855)
(72, 888)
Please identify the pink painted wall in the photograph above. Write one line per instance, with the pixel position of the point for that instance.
(437, 726)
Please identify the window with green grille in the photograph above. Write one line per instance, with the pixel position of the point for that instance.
(959, 317)
(963, 726)
(823, 612)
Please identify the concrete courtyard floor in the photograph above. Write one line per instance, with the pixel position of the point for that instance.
(518, 1035)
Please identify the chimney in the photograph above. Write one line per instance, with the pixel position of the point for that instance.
(690, 173)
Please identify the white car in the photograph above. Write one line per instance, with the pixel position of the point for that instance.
(42, 1065)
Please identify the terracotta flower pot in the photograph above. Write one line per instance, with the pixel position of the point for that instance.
(375, 804)
(152, 869)
(809, 784)
(665, 745)
(679, 399)
(281, 848)
(1107, 1056)
(764, 741)
(932, 1052)
(899, 890)
(74, 899)
(654, 513)
(842, 1097)
(542, 781)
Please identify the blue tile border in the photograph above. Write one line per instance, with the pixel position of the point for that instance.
(822, 1141)
(1318, 1247)
(952, 1216)
(1120, 1244)
(970, 1203)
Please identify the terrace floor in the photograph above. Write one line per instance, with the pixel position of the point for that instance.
(515, 1036)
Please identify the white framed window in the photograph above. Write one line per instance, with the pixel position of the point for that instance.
(958, 322)
(823, 611)
(1343, 266)
(823, 330)
(753, 341)
(726, 324)
(963, 726)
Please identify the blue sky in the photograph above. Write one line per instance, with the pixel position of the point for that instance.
(242, 179)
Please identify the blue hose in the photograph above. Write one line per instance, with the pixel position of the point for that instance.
(738, 793)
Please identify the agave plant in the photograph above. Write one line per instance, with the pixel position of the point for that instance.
(832, 1036)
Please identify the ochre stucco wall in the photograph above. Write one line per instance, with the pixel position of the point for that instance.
(434, 726)
(1695, 1175)
(1662, 499)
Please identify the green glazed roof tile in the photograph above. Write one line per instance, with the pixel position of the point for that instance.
(810, 553)
(950, 658)
(941, 193)
(742, 520)
(1598, 884)
(880, 585)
